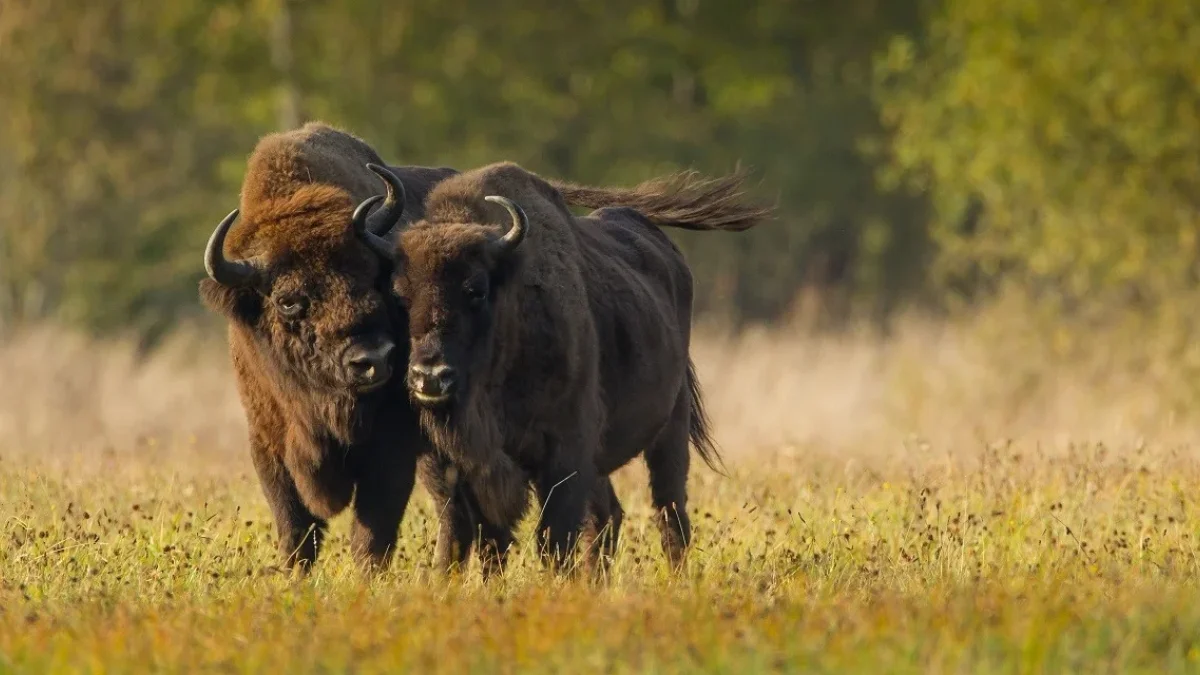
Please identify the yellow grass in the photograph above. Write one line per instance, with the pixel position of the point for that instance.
(952, 499)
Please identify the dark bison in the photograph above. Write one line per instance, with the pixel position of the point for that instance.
(311, 334)
(560, 342)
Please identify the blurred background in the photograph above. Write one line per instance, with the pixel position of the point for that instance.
(1007, 192)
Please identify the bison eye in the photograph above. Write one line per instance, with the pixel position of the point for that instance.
(476, 291)
(292, 306)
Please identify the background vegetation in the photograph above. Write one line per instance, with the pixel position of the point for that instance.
(922, 153)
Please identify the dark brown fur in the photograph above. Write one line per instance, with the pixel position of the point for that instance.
(314, 439)
(686, 200)
(572, 359)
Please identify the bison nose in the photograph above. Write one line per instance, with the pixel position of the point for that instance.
(431, 382)
(367, 367)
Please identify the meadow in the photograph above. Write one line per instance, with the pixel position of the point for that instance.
(955, 498)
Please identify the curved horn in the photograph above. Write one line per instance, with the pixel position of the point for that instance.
(386, 218)
(227, 272)
(362, 227)
(520, 224)
(359, 219)
(382, 246)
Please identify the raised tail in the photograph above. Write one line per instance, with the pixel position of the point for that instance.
(700, 430)
(684, 200)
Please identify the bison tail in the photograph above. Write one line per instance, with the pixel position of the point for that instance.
(685, 200)
(700, 431)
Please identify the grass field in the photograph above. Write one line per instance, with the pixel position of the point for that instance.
(922, 505)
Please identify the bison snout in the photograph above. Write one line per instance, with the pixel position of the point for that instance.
(431, 383)
(368, 368)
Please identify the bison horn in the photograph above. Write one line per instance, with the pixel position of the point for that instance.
(359, 219)
(382, 221)
(362, 226)
(381, 246)
(235, 273)
(520, 224)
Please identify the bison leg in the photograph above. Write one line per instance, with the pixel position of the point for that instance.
(461, 524)
(385, 480)
(667, 460)
(300, 532)
(494, 544)
(602, 529)
(455, 524)
(492, 541)
(564, 492)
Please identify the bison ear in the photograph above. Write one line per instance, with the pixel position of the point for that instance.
(235, 304)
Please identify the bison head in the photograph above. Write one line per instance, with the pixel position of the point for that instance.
(448, 277)
(311, 292)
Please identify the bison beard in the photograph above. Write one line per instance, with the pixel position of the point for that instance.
(574, 335)
(464, 436)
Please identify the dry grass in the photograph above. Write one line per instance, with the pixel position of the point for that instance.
(953, 499)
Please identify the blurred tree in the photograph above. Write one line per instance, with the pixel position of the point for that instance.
(116, 120)
(1059, 143)
(621, 91)
(124, 130)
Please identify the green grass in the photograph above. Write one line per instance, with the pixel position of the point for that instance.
(1014, 561)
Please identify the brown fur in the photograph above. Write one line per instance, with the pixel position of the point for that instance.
(577, 359)
(314, 438)
(686, 200)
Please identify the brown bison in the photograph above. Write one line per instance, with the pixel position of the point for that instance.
(560, 343)
(311, 334)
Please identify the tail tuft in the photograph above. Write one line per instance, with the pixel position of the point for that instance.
(700, 431)
(686, 200)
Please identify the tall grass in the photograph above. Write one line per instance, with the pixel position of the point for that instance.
(956, 497)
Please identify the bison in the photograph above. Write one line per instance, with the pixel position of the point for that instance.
(312, 335)
(559, 343)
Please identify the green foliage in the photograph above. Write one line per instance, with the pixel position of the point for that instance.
(115, 122)
(1058, 142)
(125, 130)
(912, 147)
